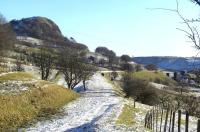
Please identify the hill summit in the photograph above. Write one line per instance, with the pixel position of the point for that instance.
(45, 29)
(37, 27)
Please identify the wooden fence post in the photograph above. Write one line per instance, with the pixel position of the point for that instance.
(173, 120)
(170, 120)
(161, 119)
(198, 126)
(151, 121)
(156, 119)
(186, 121)
(166, 119)
(179, 120)
(145, 120)
(153, 124)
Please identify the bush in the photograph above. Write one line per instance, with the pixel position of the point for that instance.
(139, 89)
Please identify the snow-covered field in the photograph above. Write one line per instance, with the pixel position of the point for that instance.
(96, 110)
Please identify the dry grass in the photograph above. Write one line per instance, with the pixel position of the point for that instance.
(16, 76)
(157, 77)
(127, 115)
(18, 110)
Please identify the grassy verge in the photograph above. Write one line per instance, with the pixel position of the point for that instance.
(16, 76)
(40, 102)
(157, 77)
(127, 115)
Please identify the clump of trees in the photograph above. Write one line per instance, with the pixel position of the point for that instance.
(125, 58)
(139, 89)
(74, 68)
(111, 55)
(125, 63)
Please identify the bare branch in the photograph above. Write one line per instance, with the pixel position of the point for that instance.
(192, 32)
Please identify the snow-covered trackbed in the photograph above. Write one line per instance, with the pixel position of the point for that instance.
(96, 110)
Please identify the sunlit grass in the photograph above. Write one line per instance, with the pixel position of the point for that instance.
(18, 110)
(157, 77)
(127, 116)
(16, 76)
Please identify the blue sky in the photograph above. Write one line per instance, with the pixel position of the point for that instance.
(125, 26)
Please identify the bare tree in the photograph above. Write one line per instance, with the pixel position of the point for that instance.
(192, 31)
(88, 71)
(44, 60)
(70, 65)
(75, 70)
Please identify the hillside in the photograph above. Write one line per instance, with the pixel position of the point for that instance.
(42, 28)
(37, 27)
(170, 63)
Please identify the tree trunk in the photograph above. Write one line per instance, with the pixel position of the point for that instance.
(84, 85)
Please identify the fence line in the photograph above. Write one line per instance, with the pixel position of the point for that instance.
(168, 117)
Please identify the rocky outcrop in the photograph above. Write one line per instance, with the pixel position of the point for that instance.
(37, 27)
(44, 29)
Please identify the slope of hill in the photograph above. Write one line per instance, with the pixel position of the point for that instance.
(42, 28)
(170, 63)
(37, 27)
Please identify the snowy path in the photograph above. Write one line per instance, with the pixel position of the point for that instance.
(96, 110)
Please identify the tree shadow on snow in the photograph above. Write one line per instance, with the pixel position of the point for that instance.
(90, 126)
